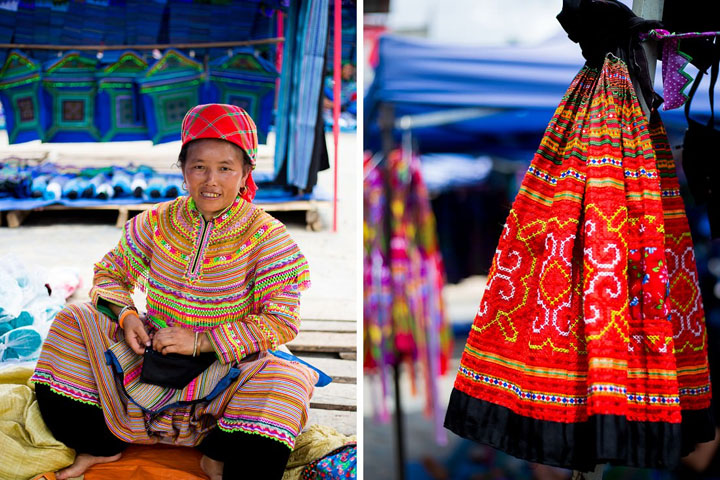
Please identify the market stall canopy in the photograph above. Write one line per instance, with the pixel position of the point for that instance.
(456, 95)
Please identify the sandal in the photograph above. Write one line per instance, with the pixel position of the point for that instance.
(45, 476)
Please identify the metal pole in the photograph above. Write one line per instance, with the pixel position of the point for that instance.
(649, 10)
(399, 429)
(337, 79)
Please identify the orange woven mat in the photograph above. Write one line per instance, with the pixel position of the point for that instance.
(156, 462)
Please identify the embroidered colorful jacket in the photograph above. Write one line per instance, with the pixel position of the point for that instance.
(237, 276)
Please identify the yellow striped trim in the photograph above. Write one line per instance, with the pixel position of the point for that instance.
(536, 371)
(609, 363)
(606, 182)
(536, 196)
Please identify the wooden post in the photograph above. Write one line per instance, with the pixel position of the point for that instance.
(594, 475)
(123, 215)
(152, 46)
(15, 218)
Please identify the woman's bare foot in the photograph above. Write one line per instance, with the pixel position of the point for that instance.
(212, 468)
(82, 463)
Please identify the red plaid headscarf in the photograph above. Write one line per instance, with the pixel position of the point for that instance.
(226, 122)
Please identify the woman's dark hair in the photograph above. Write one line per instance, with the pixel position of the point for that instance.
(182, 157)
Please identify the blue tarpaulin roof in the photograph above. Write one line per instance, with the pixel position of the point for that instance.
(518, 87)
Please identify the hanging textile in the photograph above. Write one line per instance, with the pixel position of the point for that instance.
(349, 32)
(33, 24)
(467, 229)
(701, 138)
(404, 319)
(189, 21)
(169, 88)
(680, 16)
(69, 89)
(119, 116)
(86, 23)
(143, 20)
(246, 80)
(8, 19)
(19, 93)
(300, 85)
(675, 60)
(589, 345)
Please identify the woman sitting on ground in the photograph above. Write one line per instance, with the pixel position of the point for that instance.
(223, 281)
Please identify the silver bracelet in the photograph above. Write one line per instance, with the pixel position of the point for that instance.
(195, 345)
(124, 309)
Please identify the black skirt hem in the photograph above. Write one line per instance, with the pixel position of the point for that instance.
(579, 446)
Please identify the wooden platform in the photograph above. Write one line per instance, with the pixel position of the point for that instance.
(15, 218)
(321, 343)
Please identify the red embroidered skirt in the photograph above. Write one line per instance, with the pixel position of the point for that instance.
(589, 345)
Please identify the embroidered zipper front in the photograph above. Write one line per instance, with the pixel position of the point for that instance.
(201, 246)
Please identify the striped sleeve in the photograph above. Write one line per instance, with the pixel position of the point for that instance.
(281, 274)
(126, 266)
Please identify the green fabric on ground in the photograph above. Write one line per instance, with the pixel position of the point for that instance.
(28, 448)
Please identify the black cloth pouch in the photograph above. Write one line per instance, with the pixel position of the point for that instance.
(701, 168)
(173, 370)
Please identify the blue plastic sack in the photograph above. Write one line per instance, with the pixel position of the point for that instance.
(323, 378)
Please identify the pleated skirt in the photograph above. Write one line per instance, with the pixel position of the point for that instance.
(589, 344)
(86, 359)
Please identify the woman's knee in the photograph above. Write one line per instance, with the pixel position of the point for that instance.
(69, 316)
(293, 378)
(68, 321)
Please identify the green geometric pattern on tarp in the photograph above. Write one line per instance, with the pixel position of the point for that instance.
(129, 63)
(117, 98)
(72, 111)
(26, 111)
(70, 84)
(71, 64)
(244, 62)
(169, 88)
(171, 108)
(248, 103)
(236, 93)
(18, 66)
(173, 63)
(248, 81)
(19, 87)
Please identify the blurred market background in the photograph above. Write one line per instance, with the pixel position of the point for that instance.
(468, 87)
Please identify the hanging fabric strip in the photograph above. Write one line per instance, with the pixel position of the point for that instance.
(300, 86)
(675, 78)
(404, 319)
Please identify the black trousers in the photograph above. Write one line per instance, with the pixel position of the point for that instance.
(82, 427)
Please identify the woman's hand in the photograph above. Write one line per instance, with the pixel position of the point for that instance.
(135, 334)
(174, 340)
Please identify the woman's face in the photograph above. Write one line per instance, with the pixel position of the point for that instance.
(214, 173)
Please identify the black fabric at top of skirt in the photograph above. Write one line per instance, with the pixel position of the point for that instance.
(608, 26)
(579, 446)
